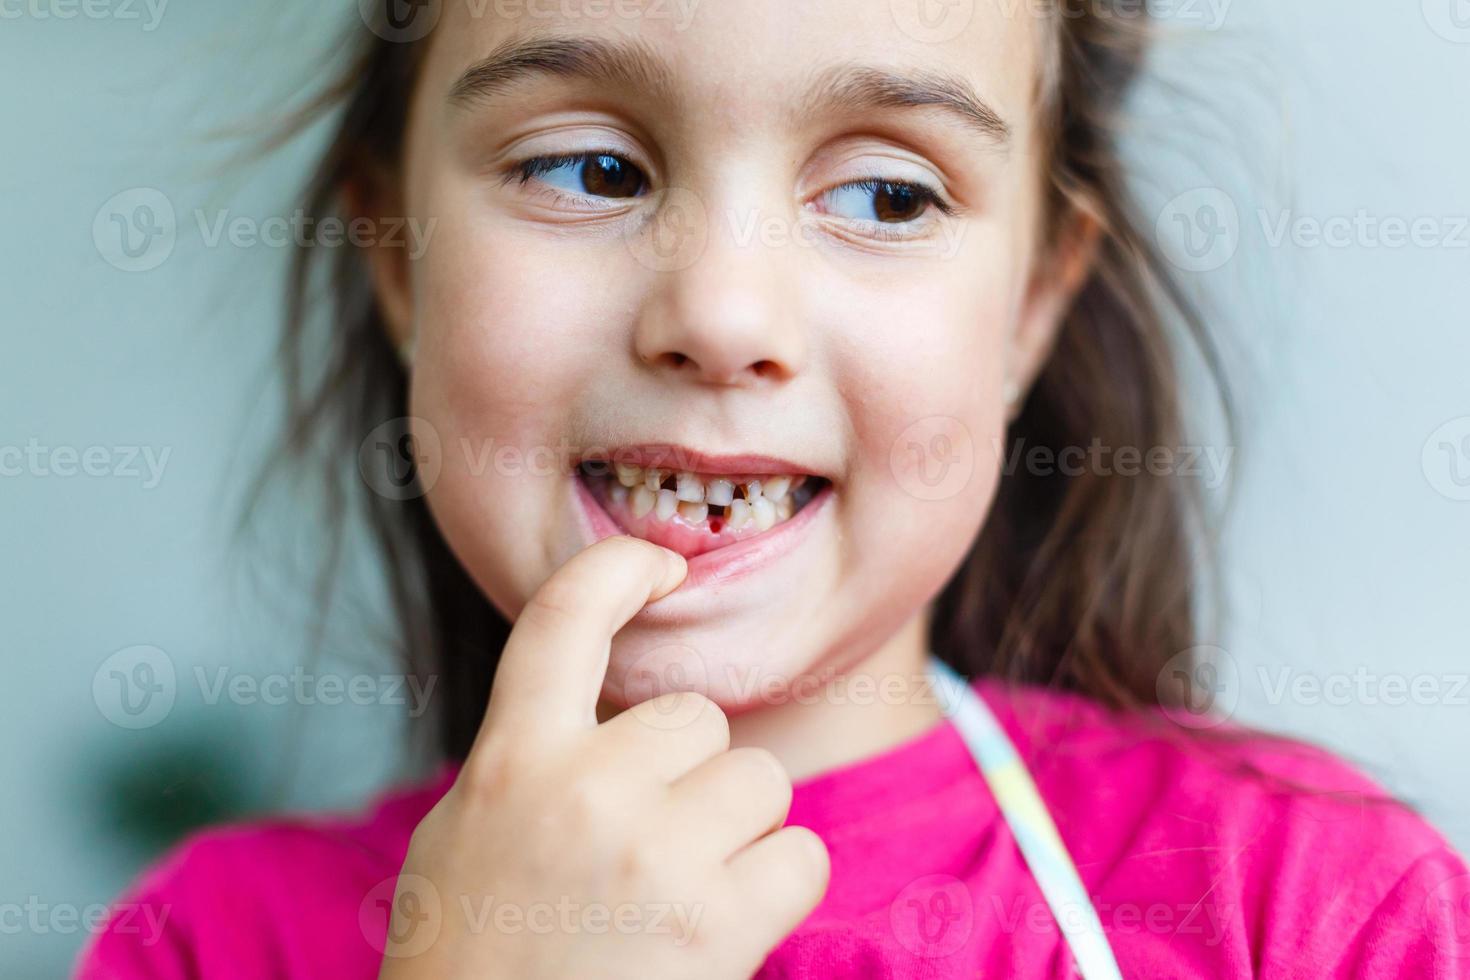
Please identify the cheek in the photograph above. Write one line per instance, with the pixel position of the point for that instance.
(506, 327)
(926, 372)
(506, 347)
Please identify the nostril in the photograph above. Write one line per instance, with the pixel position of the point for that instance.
(667, 359)
(766, 369)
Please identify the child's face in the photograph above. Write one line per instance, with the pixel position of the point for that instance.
(714, 277)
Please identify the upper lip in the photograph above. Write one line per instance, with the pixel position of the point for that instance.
(687, 460)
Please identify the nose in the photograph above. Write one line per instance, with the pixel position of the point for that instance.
(729, 319)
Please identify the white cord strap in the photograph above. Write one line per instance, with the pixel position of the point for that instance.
(1041, 846)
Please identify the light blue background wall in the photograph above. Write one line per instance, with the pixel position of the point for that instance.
(1347, 550)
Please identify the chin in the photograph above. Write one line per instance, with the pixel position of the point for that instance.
(730, 660)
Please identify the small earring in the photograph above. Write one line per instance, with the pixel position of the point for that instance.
(406, 351)
(1012, 393)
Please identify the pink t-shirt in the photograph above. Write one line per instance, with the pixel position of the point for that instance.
(1196, 867)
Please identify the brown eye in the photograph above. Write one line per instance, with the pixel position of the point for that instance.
(890, 202)
(898, 202)
(590, 174)
(608, 176)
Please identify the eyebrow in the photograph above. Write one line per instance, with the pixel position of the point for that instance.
(628, 63)
(854, 88)
(633, 64)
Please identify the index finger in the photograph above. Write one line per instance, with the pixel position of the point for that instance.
(551, 671)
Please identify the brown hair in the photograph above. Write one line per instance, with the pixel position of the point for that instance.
(1087, 582)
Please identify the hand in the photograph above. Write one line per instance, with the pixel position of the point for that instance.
(633, 848)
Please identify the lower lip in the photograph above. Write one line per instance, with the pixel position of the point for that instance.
(726, 564)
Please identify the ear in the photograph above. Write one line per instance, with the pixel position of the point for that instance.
(1063, 269)
(375, 200)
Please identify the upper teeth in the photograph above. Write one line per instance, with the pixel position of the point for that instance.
(765, 501)
(720, 493)
(690, 488)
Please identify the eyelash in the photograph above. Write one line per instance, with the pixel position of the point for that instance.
(528, 169)
(924, 192)
(524, 171)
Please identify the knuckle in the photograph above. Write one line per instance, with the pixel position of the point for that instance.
(426, 832)
(555, 604)
(660, 705)
(766, 771)
(589, 802)
(716, 719)
(640, 862)
(700, 934)
(629, 546)
(688, 711)
(489, 776)
(707, 715)
(813, 863)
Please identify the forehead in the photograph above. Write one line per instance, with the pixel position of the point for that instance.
(740, 61)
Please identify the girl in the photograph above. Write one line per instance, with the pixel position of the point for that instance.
(713, 358)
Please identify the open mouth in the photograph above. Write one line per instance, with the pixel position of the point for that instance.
(694, 513)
